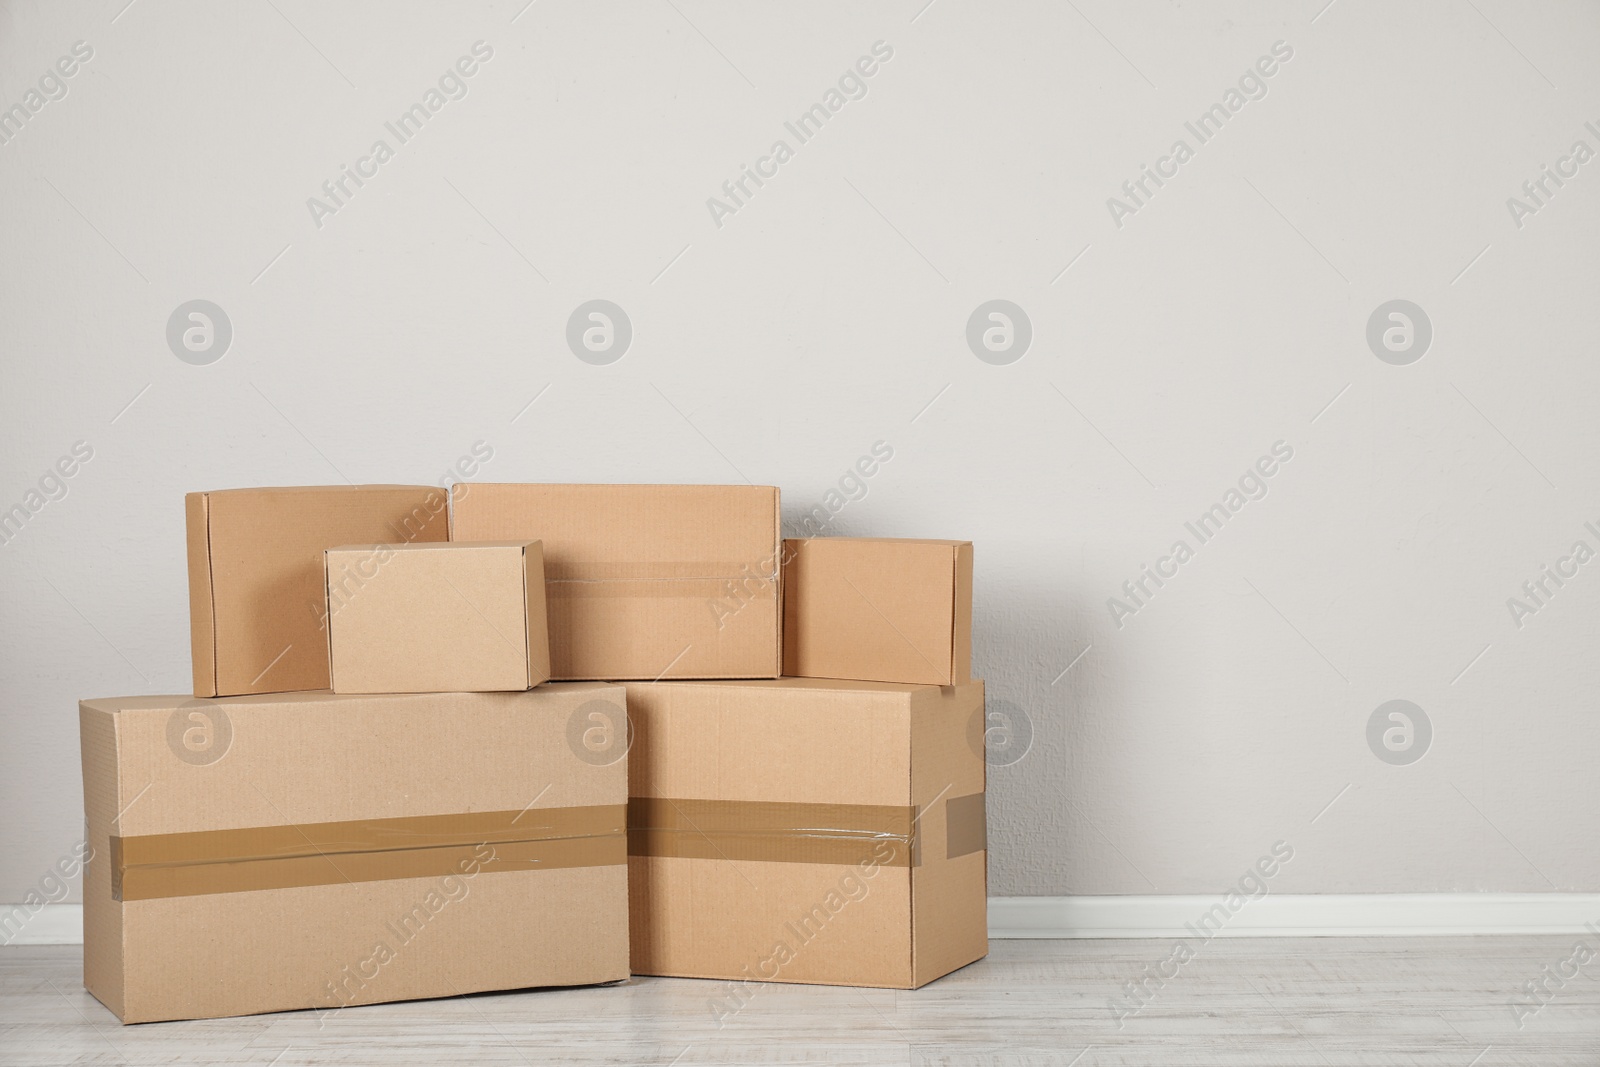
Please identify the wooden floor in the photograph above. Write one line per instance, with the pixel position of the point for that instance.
(1417, 1002)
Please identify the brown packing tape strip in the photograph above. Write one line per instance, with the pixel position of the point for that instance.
(773, 831)
(151, 866)
(966, 826)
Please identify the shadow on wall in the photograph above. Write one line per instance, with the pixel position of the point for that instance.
(1032, 644)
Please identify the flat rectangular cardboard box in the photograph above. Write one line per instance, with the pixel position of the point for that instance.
(461, 616)
(878, 609)
(307, 850)
(806, 830)
(646, 581)
(256, 599)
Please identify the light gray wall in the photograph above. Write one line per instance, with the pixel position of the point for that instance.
(1169, 352)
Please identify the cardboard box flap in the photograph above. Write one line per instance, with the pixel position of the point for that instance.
(961, 595)
(884, 540)
(312, 490)
(520, 544)
(537, 621)
(309, 698)
(202, 604)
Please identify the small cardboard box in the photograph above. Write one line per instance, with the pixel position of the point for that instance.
(646, 581)
(308, 850)
(878, 609)
(256, 600)
(806, 830)
(456, 617)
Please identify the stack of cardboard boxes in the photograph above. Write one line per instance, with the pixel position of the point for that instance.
(537, 735)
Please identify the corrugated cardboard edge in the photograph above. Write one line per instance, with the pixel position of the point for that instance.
(785, 557)
(722, 977)
(777, 576)
(327, 615)
(949, 910)
(961, 622)
(536, 618)
(202, 608)
(103, 940)
(911, 875)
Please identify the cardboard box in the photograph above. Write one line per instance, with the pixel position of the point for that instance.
(878, 609)
(646, 581)
(806, 830)
(307, 850)
(256, 599)
(463, 616)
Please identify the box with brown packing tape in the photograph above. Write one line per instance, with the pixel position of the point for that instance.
(309, 850)
(645, 581)
(806, 830)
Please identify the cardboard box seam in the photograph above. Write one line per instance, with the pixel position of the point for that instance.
(115, 827)
(527, 623)
(777, 577)
(917, 846)
(843, 686)
(264, 700)
(956, 605)
(203, 505)
(327, 617)
(211, 594)
(677, 578)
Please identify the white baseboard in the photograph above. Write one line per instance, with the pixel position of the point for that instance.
(1297, 915)
(1303, 915)
(53, 924)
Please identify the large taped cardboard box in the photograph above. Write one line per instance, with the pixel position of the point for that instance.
(806, 830)
(267, 853)
(256, 599)
(646, 581)
(462, 616)
(878, 609)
